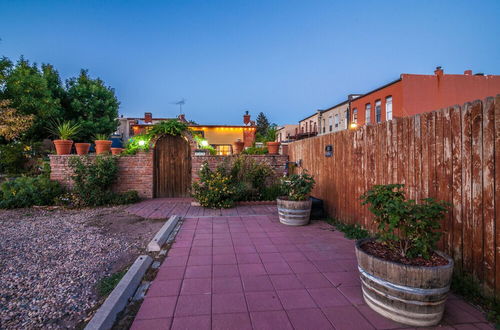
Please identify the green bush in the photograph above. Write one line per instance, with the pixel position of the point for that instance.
(404, 226)
(127, 197)
(350, 231)
(215, 189)
(298, 187)
(171, 127)
(136, 143)
(13, 158)
(29, 191)
(255, 151)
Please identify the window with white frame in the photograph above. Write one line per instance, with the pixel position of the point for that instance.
(336, 120)
(368, 111)
(388, 108)
(378, 111)
(355, 115)
(324, 125)
(330, 123)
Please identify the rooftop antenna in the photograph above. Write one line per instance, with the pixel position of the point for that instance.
(180, 104)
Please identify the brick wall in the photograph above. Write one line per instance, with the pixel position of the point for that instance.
(277, 162)
(134, 173)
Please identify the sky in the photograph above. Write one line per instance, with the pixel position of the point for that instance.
(284, 58)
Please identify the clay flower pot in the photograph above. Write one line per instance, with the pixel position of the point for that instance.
(116, 151)
(102, 146)
(63, 147)
(82, 148)
(273, 148)
(238, 146)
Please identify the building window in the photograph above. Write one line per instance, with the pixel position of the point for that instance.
(330, 122)
(378, 111)
(346, 119)
(223, 149)
(388, 108)
(324, 126)
(368, 110)
(355, 115)
(336, 120)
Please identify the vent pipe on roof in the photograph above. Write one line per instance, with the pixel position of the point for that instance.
(439, 71)
(468, 72)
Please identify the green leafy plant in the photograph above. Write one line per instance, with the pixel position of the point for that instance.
(64, 130)
(101, 137)
(203, 144)
(171, 127)
(109, 283)
(350, 231)
(298, 187)
(214, 189)
(404, 226)
(254, 151)
(140, 142)
(29, 191)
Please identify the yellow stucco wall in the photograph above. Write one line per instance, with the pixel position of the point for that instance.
(221, 135)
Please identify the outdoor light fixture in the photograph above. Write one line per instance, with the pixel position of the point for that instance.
(141, 143)
(204, 143)
(354, 126)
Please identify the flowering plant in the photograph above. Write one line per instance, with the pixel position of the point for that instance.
(214, 189)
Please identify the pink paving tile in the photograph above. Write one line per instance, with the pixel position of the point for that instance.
(377, 320)
(343, 278)
(302, 267)
(257, 283)
(248, 258)
(353, 293)
(271, 257)
(286, 248)
(198, 272)
(201, 322)
(170, 273)
(278, 268)
(305, 319)
(293, 256)
(224, 259)
(240, 321)
(296, 299)
(286, 282)
(222, 250)
(164, 288)
(156, 308)
(266, 248)
(270, 320)
(175, 261)
(314, 280)
(199, 260)
(227, 285)
(347, 317)
(196, 286)
(251, 269)
(228, 303)
(155, 324)
(484, 326)
(244, 249)
(326, 266)
(328, 297)
(179, 251)
(191, 305)
(225, 271)
(201, 251)
(263, 301)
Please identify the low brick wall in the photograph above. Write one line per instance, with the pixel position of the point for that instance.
(134, 173)
(276, 162)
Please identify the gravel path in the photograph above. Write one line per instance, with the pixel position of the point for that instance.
(51, 261)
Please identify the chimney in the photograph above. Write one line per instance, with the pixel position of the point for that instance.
(468, 72)
(439, 71)
(148, 117)
(246, 118)
(182, 118)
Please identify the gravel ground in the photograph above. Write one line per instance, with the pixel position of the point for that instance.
(51, 261)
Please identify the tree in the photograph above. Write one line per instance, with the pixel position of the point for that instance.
(92, 104)
(12, 124)
(262, 124)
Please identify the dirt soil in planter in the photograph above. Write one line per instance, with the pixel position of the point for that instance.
(381, 251)
(51, 261)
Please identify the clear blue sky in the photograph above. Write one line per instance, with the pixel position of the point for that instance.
(285, 58)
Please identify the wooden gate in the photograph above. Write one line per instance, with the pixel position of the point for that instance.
(172, 167)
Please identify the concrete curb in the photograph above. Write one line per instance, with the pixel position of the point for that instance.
(119, 297)
(162, 235)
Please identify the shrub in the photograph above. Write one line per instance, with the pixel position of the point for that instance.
(13, 158)
(254, 151)
(29, 191)
(215, 189)
(404, 226)
(64, 130)
(171, 127)
(127, 197)
(298, 187)
(137, 143)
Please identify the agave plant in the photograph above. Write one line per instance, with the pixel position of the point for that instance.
(101, 136)
(65, 130)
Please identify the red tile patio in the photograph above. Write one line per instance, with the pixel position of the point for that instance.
(242, 269)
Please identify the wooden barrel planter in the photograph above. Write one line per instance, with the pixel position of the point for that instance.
(412, 295)
(294, 213)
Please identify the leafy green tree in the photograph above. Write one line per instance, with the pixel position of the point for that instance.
(92, 104)
(262, 124)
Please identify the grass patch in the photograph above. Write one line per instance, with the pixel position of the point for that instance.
(470, 289)
(108, 283)
(350, 231)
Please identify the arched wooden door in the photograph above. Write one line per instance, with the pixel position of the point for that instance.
(172, 167)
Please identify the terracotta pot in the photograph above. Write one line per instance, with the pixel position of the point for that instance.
(102, 146)
(63, 147)
(116, 151)
(273, 148)
(238, 147)
(82, 148)
(413, 295)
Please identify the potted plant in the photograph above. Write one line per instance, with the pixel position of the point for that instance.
(238, 146)
(102, 144)
(273, 147)
(65, 131)
(403, 276)
(294, 208)
(82, 148)
(116, 151)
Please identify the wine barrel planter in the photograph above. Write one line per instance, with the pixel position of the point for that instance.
(294, 213)
(412, 295)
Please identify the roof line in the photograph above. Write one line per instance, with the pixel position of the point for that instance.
(379, 88)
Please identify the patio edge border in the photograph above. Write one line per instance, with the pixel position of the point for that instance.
(163, 234)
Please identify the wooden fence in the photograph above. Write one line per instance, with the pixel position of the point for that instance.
(451, 154)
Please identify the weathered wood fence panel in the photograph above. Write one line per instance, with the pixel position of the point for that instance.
(450, 154)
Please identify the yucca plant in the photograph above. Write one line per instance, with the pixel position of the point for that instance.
(101, 137)
(65, 130)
